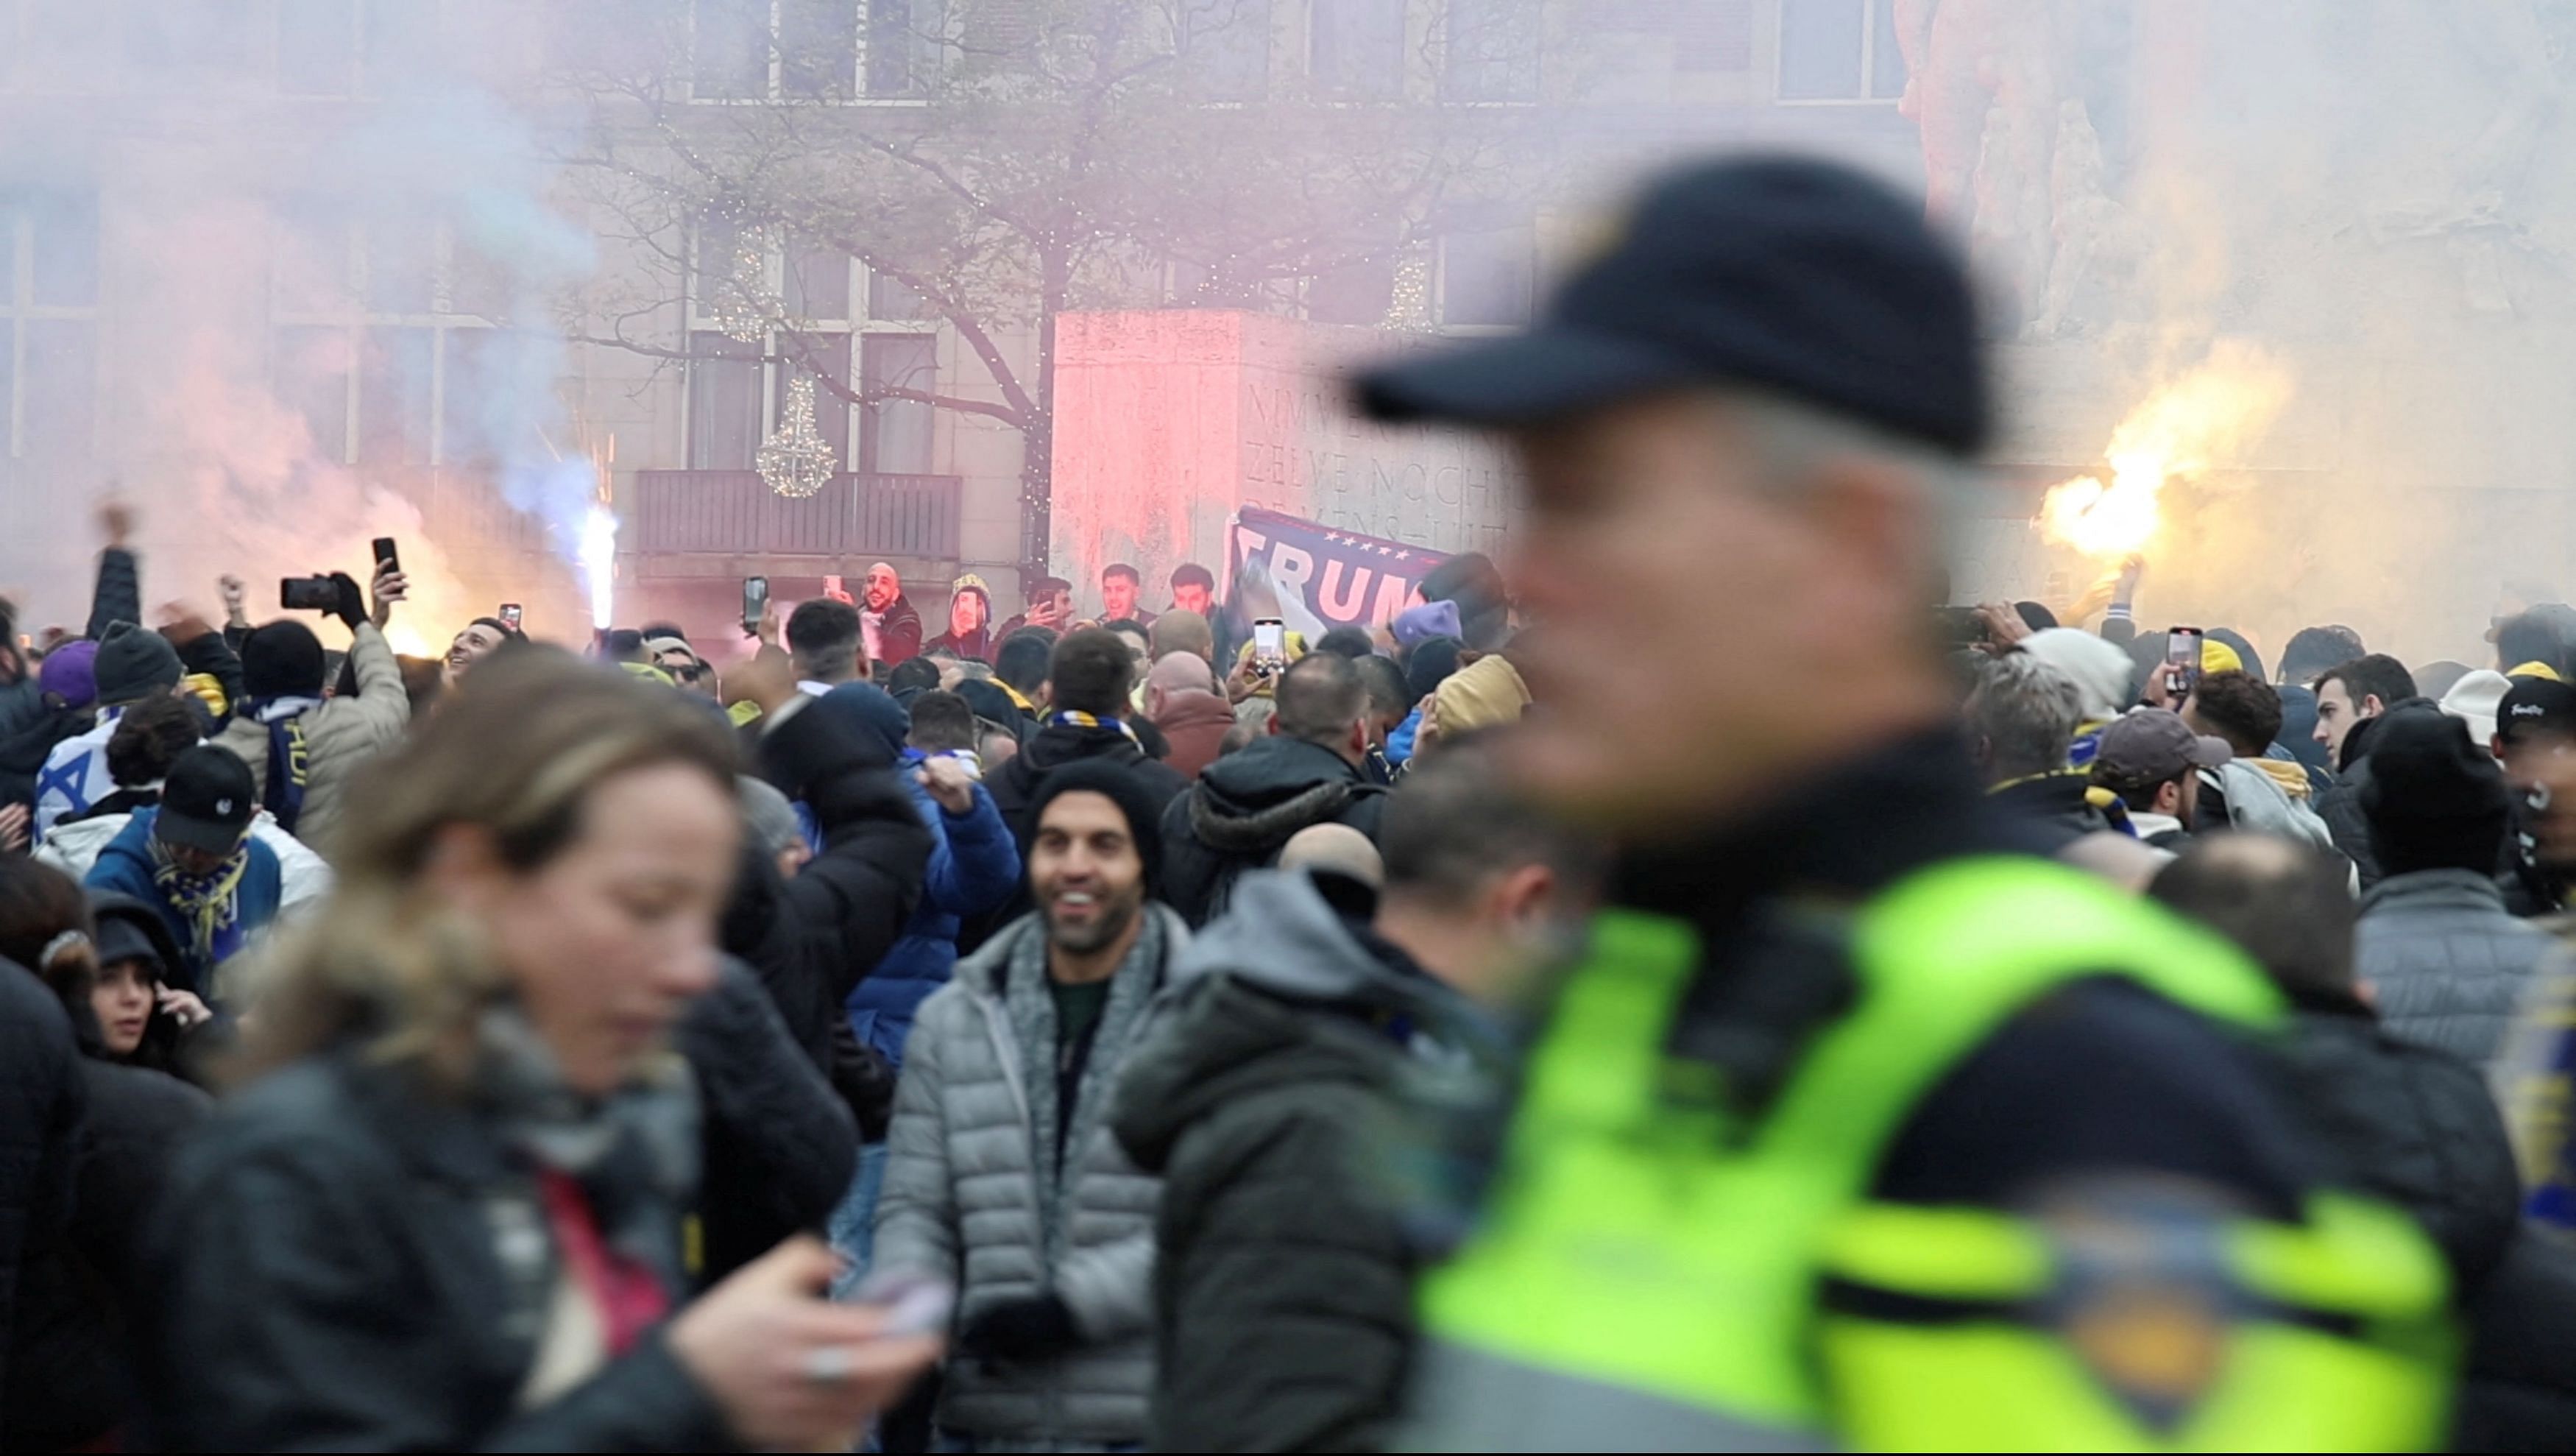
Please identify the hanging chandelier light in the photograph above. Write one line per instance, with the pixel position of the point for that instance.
(796, 462)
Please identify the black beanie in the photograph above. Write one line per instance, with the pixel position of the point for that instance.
(282, 659)
(133, 664)
(2435, 800)
(1121, 787)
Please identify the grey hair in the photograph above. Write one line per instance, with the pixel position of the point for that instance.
(1796, 438)
(767, 816)
(2027, 712)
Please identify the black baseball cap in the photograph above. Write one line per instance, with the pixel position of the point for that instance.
(208, 801)
(2536, 705)
(1789, 274)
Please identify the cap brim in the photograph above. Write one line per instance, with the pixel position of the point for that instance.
(205, 834)
(2207, 752)
(1529, 379)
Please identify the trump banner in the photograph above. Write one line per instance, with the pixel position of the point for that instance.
(1327, 577)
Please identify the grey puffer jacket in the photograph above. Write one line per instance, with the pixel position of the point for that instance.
(966, 1199)
(2447, 962)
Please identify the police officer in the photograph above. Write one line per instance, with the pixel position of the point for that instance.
(1852, 1127)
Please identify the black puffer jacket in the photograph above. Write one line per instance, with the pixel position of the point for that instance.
(2415, 1125)
(42, 1106)
(780, 1145)
(1245, 807)
(811, 938)
(345, 1262)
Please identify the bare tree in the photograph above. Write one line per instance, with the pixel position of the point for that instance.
(1008, 160)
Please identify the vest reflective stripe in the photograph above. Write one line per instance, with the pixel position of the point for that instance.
(1634, 1240)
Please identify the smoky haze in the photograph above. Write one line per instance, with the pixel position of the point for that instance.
(2367, 208)
(334, 262)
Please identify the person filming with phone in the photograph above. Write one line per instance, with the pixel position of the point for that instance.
(301, 747)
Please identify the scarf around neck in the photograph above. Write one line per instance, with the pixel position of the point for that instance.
(210, 904)
(1076, 718)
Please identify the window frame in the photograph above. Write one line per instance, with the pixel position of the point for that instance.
(1870, 11)
(20, 308)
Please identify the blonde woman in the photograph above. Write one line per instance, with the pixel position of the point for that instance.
(447, 1213)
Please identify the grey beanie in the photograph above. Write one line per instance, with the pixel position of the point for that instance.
(134, 664)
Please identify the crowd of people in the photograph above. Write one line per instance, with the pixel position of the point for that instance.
(1535, 1023)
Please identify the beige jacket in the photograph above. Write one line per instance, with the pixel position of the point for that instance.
(340, 736)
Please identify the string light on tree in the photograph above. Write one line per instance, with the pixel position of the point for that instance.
(797, 461)
(744, 305)
(1410, 310)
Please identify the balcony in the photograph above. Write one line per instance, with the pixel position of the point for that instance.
(730, 523)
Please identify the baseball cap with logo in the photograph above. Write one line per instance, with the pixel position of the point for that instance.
(2153, 746)
(208, 801)
(1800, 277)
(2536, 706)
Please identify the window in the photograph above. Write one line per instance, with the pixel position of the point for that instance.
(1493, 51)
(902, 47)
(1840, 50)
(1713, 37)
(1225, 46)
(818, 49)
(730, 49)
(897, 440)
(826, 357)
(738, 391)
(1355, 48)
(48, 324)
(1354, 293)
(1488, 272)
(892, 300)
(724, 402)
(383, 340)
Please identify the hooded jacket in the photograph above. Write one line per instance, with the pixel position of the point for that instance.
(974, 867)
(812, 937)
(1195, 723)
(964, 1199)
(341, 735)
(43, 1102)
(2258, 803)
(74, 846)
(1246, 806)
(1266, 1095)
(2448, 963)
(125, 867)
(72, 1378)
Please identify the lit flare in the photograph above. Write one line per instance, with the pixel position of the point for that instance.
(2198, 421)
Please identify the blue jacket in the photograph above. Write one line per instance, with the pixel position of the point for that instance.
(974, 868)
(125, 867)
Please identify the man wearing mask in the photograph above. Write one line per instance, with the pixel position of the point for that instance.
(890, 626)
(1002, 1178)
(1831, 1054)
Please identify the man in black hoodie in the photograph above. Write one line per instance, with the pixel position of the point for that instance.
(1301, 1031)
(1245, 806)
(1085, 718)
(2351, 699)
